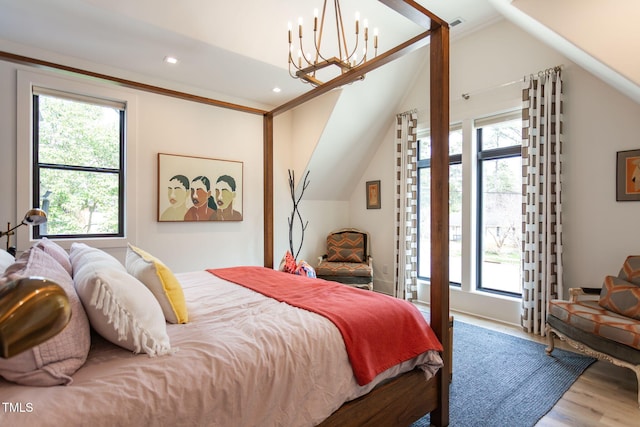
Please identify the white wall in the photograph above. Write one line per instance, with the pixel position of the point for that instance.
(7, 147)
(306, 124)
(168, 125)
(598, 121)
(599, 231)
(379, 223)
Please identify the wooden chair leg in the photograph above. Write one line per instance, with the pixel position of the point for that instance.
(550, 339)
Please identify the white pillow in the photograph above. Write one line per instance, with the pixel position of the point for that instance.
(159, 279)
(6, 259)
(119, 306)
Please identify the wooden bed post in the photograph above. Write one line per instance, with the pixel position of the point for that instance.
(439, 106)
(267, 160)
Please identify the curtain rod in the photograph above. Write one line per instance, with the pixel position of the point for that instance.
(415, 110)
(540, 73)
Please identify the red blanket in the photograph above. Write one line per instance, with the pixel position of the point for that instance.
(379, 331)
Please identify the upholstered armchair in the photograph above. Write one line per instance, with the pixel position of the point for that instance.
(348, 259)
(603, 323)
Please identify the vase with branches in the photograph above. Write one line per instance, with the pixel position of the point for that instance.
(296, 217)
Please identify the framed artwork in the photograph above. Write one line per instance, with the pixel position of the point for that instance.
(373, 195)
(199, 189)
(628, 175)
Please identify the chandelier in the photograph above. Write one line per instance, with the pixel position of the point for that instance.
(305, 65)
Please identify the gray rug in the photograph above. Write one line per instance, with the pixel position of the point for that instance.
(501, 380)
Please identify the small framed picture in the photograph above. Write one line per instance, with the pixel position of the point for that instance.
(628, 176)
(373, 194)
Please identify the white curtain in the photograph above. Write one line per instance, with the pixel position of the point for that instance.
(542, 197)
(406, 209)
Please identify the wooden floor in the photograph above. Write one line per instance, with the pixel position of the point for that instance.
(604, 395)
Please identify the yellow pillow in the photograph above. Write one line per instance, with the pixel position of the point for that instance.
(161, 282)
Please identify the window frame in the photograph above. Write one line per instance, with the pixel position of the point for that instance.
(37, 166)
(26, 82)
(481, 156)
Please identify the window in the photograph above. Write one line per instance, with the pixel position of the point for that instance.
(78, 164)
(499, 232)
(455, 206)
(490, 259)
(31, 155)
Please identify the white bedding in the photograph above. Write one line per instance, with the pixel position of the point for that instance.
(243, 360)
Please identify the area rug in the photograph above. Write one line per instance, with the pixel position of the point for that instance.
(503, 380)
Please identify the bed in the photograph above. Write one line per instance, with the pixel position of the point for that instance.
(395, 401)
(240, 358)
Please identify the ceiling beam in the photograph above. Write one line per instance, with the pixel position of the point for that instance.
(415, 12)
(19, 59)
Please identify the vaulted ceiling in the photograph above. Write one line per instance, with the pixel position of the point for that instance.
(230, 50)
(237, 52)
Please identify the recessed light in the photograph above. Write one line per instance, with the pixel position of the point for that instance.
(170, 60)
(277, 89)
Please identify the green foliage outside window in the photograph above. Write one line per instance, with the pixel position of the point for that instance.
(79, 166)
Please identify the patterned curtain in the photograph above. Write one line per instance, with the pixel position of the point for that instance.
(542, 197)
(406, 209)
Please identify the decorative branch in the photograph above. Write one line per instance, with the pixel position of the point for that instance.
(295, 212)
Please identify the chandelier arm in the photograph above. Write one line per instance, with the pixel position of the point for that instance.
(303, 56)
(317, 43)
(292, 61)
(294, 66)
(340, 31)
(355, 48)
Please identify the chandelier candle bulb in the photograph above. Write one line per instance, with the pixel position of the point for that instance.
(357, 23)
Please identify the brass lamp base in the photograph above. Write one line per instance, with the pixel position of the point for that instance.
(32, 310)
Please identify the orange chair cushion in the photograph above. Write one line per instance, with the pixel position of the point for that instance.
(344, 269)
(589, 317)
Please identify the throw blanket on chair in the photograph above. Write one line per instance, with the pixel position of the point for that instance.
(379, 331)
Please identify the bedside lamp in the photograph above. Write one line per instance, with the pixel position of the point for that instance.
(32, 217)
(32, 310)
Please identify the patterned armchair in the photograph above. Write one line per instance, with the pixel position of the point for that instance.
(603, 323)
(347, 259)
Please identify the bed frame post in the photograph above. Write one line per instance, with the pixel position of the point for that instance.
(267, 159)
(439, 106)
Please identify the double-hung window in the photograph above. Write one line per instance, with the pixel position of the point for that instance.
(76, 159)
(78, 164)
